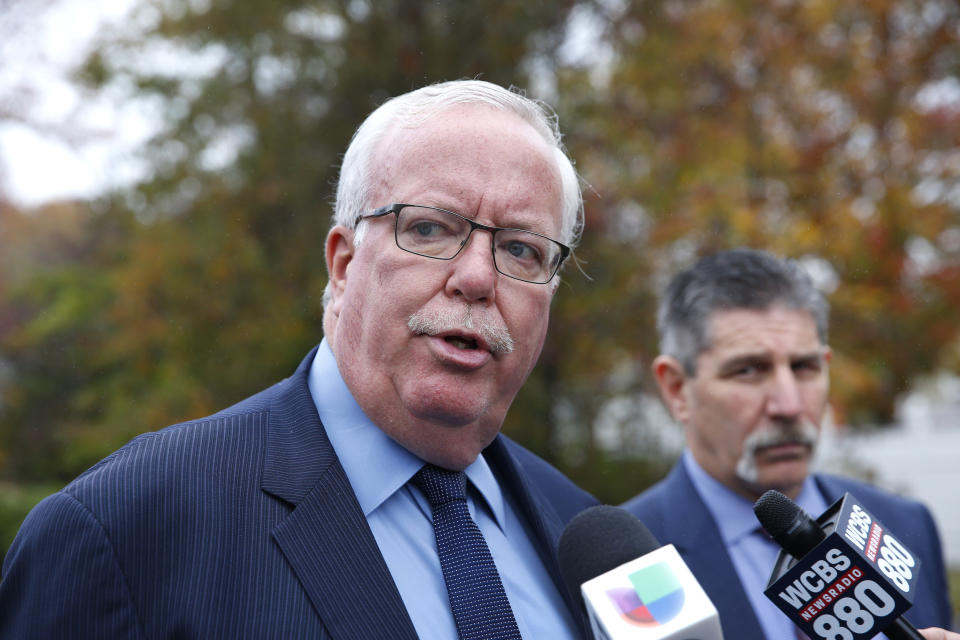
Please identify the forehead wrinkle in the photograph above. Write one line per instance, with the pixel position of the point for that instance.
(736, 335)
(784, 327)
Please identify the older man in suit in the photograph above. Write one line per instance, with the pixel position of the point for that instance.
(369, 495)
(743, 367)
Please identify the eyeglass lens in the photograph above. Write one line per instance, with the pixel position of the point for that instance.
(439, 234)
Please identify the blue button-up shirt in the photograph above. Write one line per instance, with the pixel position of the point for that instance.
(400, 517)
(753, 553)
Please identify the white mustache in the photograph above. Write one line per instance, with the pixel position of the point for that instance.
(779, 433)
(434, 321)
(801, 432)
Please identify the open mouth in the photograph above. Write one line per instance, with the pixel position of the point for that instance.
(460, 342)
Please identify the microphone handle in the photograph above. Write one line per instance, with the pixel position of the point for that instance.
(901, 629)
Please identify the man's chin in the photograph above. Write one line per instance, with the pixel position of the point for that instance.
(784, 473)
(447, 446)
(449, 410)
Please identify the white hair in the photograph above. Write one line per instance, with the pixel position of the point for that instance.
(416, 107)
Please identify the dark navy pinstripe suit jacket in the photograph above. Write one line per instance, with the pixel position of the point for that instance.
(240, 525)
(675, 514)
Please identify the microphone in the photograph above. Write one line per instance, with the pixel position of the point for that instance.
(842, 576)
(631, 587)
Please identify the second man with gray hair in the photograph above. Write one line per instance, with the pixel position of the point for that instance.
(744, 369)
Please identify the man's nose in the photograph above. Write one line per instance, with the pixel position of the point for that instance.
(784, 397)
(473, 274)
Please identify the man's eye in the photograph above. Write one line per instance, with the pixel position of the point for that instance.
(521, 250)
(751, 370)
(806, 366)
(426, 229)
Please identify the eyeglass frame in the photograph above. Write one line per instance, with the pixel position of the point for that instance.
(396, 207)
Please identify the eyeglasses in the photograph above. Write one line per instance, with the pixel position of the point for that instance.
(441, 234)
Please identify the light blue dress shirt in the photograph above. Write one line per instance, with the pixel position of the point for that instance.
(753, 553)
(400, 517)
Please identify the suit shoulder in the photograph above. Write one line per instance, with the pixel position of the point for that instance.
(873, 497)
(182, 451)
(649, 501)
(912, 520)
(669, 501)
(84, 562)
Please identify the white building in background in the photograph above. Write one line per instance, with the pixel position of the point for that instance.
(918, 458)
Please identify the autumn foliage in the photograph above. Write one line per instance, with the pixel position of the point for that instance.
(825, 131)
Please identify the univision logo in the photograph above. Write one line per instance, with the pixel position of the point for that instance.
(656, 597)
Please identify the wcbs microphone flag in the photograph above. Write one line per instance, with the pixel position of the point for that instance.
(850, 586)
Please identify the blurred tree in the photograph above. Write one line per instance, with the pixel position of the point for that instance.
(53, 285)
(827, 131)
(203, 283)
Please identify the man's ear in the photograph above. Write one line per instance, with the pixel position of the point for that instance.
(339, 254)
(672, 380)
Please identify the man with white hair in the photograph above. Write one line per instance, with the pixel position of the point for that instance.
(369, 495)
(743, 368)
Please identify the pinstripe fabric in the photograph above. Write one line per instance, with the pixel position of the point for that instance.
(91, 568)
(241, 525)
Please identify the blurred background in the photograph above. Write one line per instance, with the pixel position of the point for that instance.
(166, 178)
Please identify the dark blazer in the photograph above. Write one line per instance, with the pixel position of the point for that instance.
(239, 525)
(675, 514)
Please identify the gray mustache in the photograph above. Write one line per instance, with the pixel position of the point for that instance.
(801, 432)
(432, 322)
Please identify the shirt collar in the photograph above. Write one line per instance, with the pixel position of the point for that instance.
(732, 512)
(375, 464)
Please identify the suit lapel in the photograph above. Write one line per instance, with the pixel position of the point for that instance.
(698, 540)
(325, 538)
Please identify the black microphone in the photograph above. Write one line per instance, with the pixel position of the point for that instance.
(631, 586)
(862, 612)
(600, 539)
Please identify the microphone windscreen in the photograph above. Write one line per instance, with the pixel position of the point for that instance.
(600, 539)
(789, 525)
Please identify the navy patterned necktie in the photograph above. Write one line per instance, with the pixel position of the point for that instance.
(479, 603)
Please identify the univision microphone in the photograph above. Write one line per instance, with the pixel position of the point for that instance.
(843, 576)
(632, 587)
